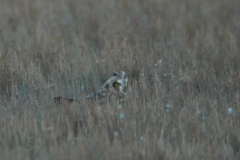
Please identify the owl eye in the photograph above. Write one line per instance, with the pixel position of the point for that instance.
(117, 84)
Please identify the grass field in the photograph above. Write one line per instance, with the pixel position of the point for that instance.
(182, 57)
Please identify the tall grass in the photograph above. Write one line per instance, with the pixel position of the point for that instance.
(182, 58)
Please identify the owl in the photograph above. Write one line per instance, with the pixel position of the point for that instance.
(115, 87)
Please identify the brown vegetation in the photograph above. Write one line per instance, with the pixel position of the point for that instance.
(184, 107)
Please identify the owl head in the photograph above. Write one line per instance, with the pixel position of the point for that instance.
(117, 83)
